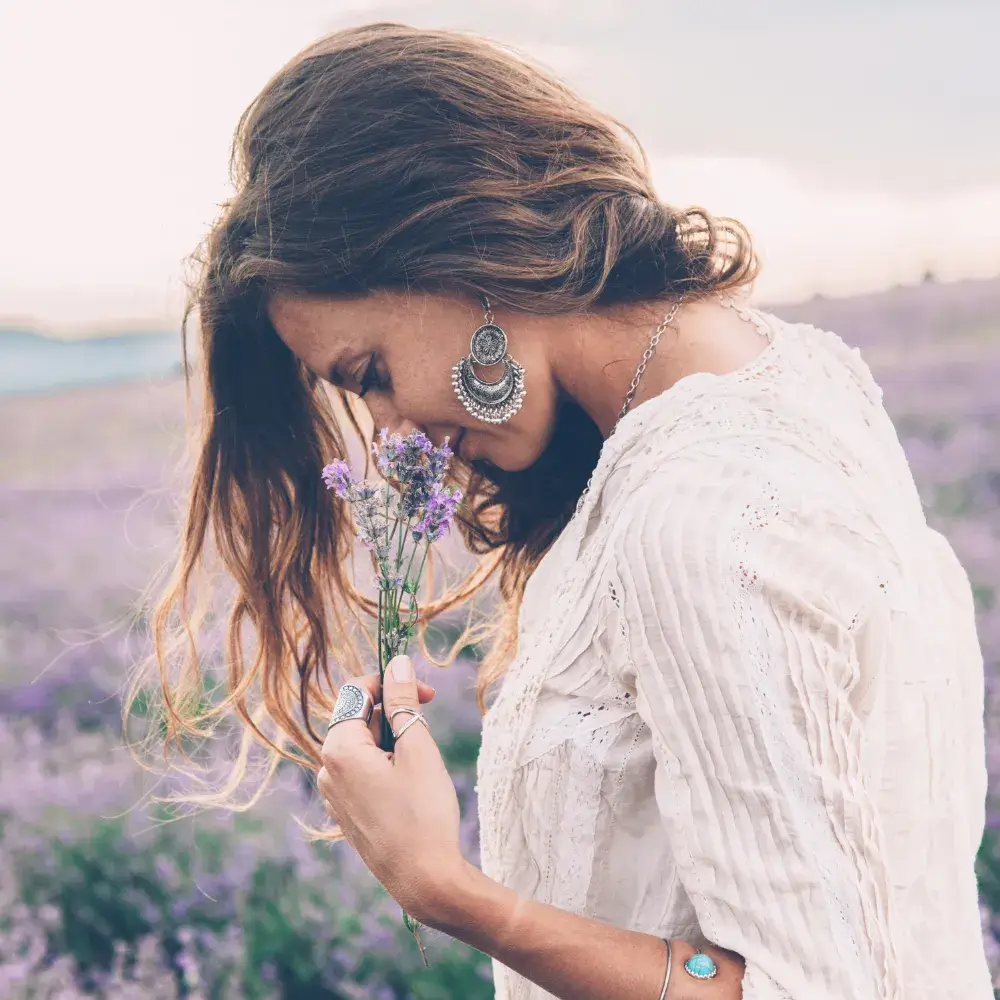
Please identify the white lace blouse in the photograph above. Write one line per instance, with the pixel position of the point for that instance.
(747, 707)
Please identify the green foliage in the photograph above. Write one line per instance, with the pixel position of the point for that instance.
(988, 870)
(954, 500)
(984, 597)
(320, 932)
(104, 890)
(278, 938)
(461, 750)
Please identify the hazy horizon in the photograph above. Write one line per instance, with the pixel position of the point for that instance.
(855, 144)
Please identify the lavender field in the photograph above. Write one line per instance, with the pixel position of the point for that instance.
(101, 896)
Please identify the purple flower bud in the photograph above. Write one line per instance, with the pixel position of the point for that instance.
(418, 441)
(438, 514)
(337, 476)
(414, 462)
(438, 460)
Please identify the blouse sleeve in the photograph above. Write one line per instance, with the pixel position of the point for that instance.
(742, 586)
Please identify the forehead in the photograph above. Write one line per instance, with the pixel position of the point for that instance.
(319, 329)
(302, 317)
(305, 316)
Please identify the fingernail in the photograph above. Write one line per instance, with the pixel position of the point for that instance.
(402, 668)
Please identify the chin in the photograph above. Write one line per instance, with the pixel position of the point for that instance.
(513, 451)
(516, 463)
(521, 449)
(507, 460)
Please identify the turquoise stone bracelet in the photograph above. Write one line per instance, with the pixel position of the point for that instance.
(700, 966)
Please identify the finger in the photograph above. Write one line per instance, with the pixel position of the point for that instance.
(325, 787)
(370, 683)
(400, 691)
(349, 736)
(376, 724)
(329, 811)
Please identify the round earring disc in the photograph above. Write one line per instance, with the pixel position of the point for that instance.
(489, 344)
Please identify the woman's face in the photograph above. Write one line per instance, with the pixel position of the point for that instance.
(396, 350)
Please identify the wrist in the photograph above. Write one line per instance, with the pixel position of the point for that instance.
(462, 901)
(728, 979)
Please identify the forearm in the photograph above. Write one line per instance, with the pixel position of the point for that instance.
(574, 957)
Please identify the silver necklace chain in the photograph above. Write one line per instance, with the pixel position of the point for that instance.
(630, 395)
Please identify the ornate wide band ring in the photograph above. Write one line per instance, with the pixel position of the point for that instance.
(353, 702)
(417, 717)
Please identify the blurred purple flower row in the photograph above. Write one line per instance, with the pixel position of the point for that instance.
(206, 905)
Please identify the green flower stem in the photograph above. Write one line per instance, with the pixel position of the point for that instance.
(414, 609)
(409, 566)
(401, 541)
(381, 668)
(388, 740)
(393, 634)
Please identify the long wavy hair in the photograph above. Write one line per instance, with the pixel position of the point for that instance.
(386, 156)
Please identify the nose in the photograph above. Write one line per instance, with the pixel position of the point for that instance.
(383, 415)
(437, 434)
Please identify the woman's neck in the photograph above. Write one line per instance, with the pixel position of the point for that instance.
(596, 360)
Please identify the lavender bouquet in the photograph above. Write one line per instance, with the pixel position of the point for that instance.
(420, 511)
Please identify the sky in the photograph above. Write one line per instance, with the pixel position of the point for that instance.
(859, 140)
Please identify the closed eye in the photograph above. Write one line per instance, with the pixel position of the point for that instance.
(371, 379)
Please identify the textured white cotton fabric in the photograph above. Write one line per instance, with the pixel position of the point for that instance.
(747, 707)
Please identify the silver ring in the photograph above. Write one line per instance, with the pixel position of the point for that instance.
(353, 702)
(417, 717)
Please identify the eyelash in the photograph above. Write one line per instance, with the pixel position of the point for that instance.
(370, 379)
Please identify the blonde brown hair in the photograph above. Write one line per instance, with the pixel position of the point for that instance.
(386, 156)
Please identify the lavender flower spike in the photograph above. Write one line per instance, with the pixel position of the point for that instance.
(417, 469)
(337, 476)
(438, 514)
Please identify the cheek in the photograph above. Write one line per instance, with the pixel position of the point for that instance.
(428, 385)
(422, 395)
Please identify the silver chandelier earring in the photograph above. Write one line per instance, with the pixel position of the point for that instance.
(495, 402)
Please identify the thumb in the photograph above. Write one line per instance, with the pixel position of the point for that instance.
(399, 690)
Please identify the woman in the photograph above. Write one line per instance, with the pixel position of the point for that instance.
(738, 750)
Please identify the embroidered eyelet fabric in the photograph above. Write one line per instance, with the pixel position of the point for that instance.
(747, 705)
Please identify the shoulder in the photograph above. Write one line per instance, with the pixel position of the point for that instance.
(782, 403)
(749, 511)
(703, 477)
(771, 406)
(741, 483)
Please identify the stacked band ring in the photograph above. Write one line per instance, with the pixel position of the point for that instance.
(417, 717)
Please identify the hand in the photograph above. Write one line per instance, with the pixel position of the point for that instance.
(398, 810)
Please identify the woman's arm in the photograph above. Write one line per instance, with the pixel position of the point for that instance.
(741, 577)
(573, 957)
